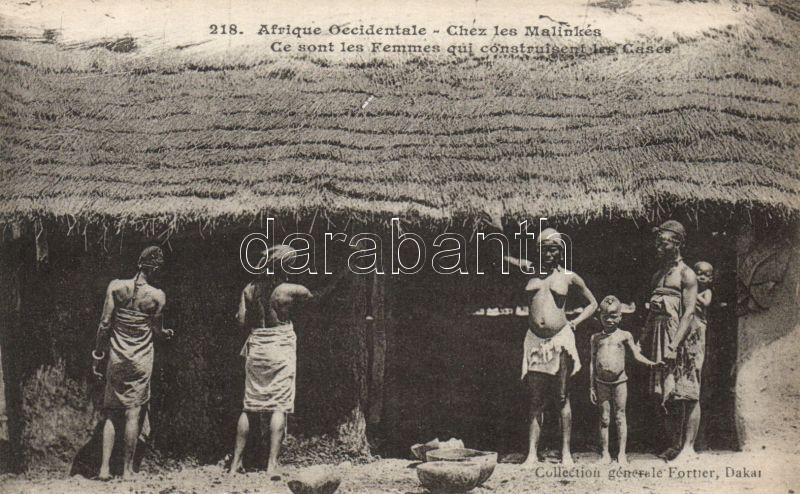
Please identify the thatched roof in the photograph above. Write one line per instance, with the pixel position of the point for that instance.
(99, 135)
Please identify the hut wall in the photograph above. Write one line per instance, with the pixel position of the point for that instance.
(768, 383)
(198, 376)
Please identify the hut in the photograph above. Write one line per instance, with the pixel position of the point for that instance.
(104, 152)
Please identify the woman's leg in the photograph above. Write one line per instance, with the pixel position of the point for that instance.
(276, 427)
(242, 429)
(109, 434)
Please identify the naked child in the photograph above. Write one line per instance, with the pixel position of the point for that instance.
(607, 376)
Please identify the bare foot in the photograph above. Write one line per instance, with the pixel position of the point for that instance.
(566, 459)
(622, 459)
(105, 474)
(235, 468)
(530, 462)
(274, 471)
(129, 475)
(668, 454)
(686, 455)
(605, 459)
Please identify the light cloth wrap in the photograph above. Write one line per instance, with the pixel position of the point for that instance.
(270, 369)
(130, 362)
(542, 354)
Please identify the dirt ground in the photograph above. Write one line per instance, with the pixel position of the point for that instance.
(778, 474)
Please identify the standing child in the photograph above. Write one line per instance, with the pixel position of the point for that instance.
(609, 387)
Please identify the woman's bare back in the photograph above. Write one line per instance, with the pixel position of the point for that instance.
(266, 306)
(144, 298)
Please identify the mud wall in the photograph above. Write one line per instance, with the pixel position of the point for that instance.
(768, 379)
(198, 376)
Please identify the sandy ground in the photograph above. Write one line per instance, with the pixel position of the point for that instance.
(779, 473)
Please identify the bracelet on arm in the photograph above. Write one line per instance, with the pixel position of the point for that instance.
(96, 357)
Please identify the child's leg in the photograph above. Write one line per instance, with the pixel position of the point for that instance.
(604, 401)
(620, 403)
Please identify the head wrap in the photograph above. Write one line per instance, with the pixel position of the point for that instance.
(151, 257)
(277, 254)
(673, 227)
(550, 236)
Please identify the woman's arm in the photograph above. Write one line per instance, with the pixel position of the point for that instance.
(158, 317)
(103, 330)
(301, 294)
(689, 300)
(241, 314)
(587, 312)
(101, 338)
(522, 263)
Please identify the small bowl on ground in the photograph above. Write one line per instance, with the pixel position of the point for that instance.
(420, 450)
(449, 477)
(486, 459)
(315, 480)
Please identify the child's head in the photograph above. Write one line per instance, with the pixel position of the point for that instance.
(705, 273)
(611, 310)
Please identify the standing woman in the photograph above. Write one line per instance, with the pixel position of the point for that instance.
(270, 351)
(131, 314)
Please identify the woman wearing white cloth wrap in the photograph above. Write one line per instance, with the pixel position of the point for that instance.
(265, 310)
(550, 356)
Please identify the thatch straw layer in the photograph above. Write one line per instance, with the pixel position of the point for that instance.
(124, 139)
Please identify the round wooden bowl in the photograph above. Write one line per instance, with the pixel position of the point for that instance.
(486, 459)
(449, 477)
(315, 481)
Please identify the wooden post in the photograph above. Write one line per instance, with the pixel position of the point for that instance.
(353, 429)
(385, 406)
(377, 350)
